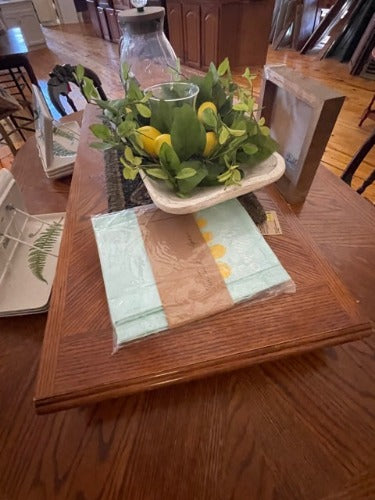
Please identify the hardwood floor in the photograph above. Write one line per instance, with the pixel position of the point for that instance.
(75, 44)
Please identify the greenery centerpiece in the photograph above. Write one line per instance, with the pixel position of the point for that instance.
(177, 144)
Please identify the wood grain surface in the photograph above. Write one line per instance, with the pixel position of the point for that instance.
(299, 428)
(78, 365)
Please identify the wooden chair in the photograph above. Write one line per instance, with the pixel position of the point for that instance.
(350, 170)
(59, 85)
(12, 120)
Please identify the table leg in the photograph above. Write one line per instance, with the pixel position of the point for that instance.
(30, 71)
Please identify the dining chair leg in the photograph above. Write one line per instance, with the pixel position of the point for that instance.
(368, 111)
(7, 139)
(370, 179)
(30, 71)
(347, 176)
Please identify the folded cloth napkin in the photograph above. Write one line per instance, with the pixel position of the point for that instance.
(161, 271)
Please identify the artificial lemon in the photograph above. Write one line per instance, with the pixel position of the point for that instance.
(159, 141)
(147, 135)
(211, 143)
(203, 107)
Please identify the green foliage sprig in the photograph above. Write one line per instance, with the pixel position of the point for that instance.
(241, 141)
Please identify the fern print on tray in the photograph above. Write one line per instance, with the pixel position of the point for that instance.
(43, 247)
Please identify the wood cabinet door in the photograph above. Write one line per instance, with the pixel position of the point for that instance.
(176, 37)
(210, 34)
(121, 4)
(103, 23)
(192, 34)
(91, 6)
(113, 26)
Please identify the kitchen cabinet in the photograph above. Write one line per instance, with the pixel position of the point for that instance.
(103, 23)
(192, 34)
(176, 36)
(22, 14)
(113, 25)
(122, 4)
(210, 30)
(94, 18)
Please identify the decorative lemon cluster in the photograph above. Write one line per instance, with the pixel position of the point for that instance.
(152, 140)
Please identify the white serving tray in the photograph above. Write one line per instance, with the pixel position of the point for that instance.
(256, 177)
(20, 291)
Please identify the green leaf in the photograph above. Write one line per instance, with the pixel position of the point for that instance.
(213, 171)
(137, 161)
(262, 121)
(236, 176)
(240, 106)
(249, 77)
(220, 98)
(185, 186)
(250, 149)
(105, 105)
(101, 131)
(252, 128)
(143, 110)
(210, 118)
(162, 116)
(250, 103)
(187, 133)
(80, 72)
(134, 93)
(101, 145)
(247, 73)
(129, 172)
(223, 136)
(168, 158)
(212, 69)
(157, 172)
(264, 130)
(205, 85)
(88, 89)
(128, 153)
(185, 173)
(225, 176)
(125, 68)
(236, 133)
(223, 67)
(125, 128)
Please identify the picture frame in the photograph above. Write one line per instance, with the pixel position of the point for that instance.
(43, 126)
(301, 114)
(57, 142)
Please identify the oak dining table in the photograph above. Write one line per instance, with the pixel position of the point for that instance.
(298, 428)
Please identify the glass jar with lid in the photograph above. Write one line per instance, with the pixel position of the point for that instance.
(144, 46)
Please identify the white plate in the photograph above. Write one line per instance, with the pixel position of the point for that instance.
(255, 178)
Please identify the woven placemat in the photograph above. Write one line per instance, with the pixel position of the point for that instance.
(123, 193)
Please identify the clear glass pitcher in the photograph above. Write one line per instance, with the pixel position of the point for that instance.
(144, 46)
